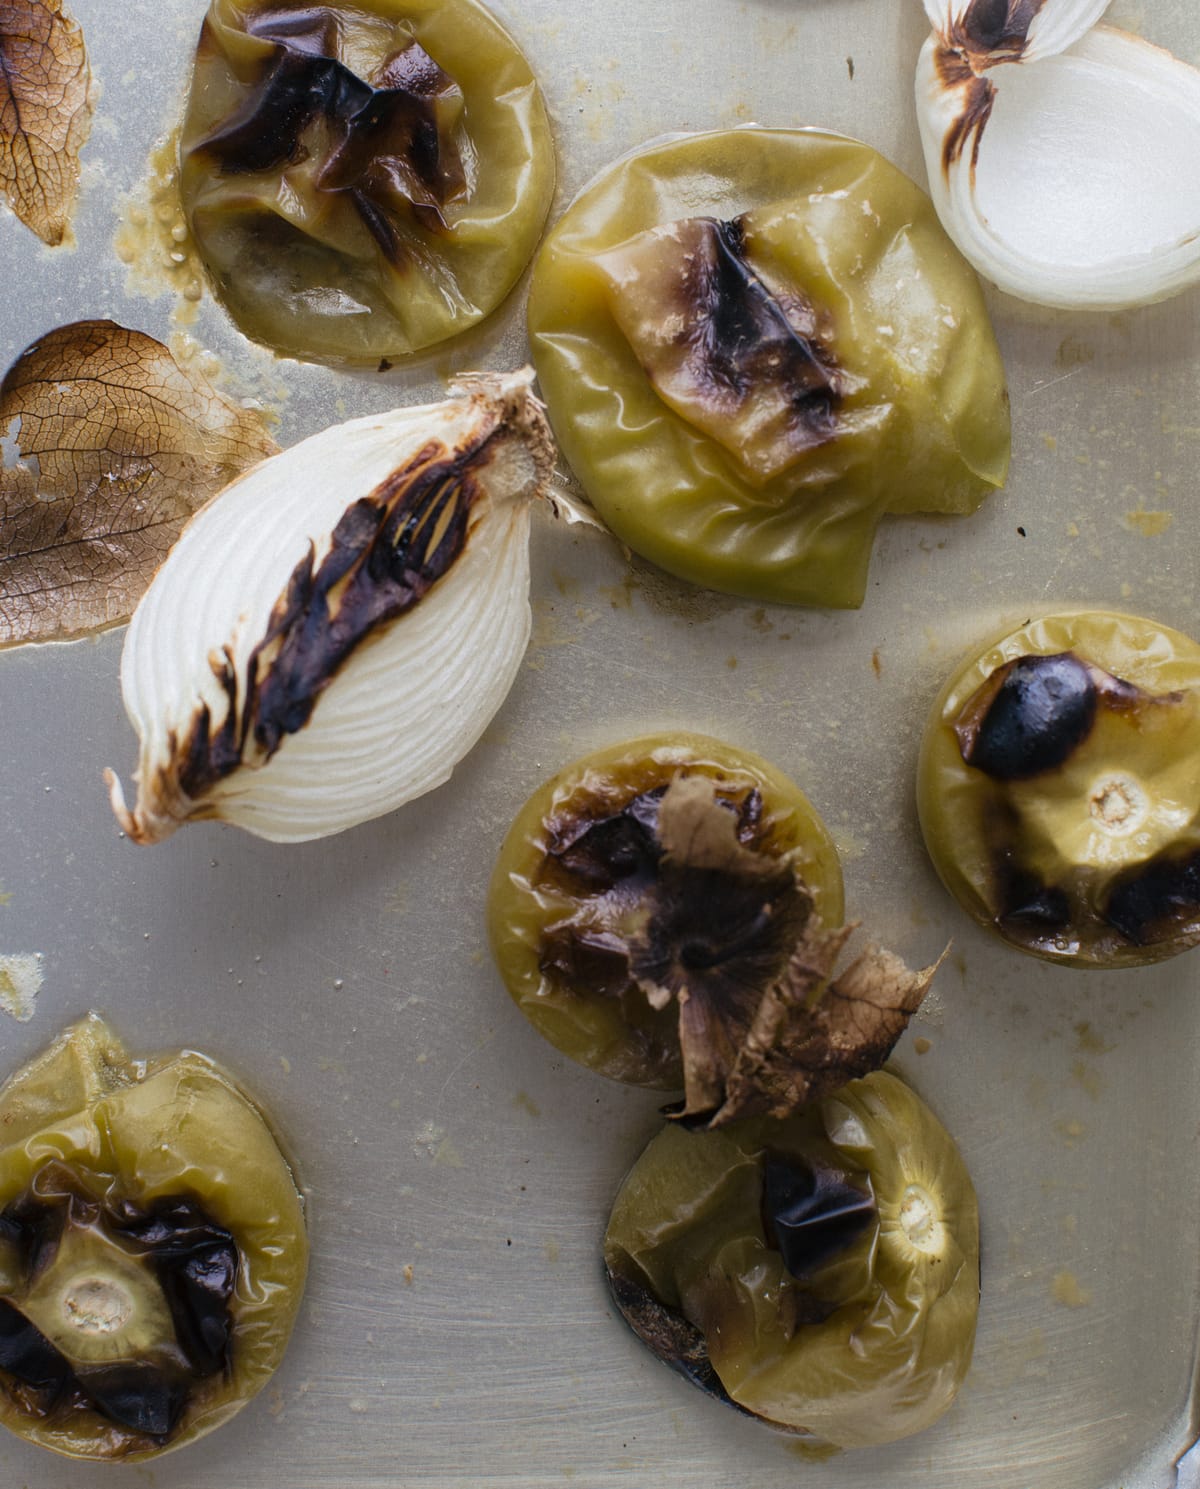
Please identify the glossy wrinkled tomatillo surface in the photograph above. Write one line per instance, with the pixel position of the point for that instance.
(362, 180)
(753, 343)
(152, 1248)
(578, 906)
(821, 1273)
(1059, 788)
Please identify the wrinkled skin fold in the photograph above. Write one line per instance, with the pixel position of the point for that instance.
(152, 1249)
(753, 345)
(362, 181)
(821, 1273)
(1058, 791)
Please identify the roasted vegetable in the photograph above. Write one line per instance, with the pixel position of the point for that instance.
(1015, 99)
(333, 632)
(362, 180)
(753, 344)
(578, 880)
(152, 1249)
(1059, 792)
(668, 912)
(821, 1273)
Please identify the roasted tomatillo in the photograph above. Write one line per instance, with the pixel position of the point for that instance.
(821, 1273)
(362, 180)
(754, 343)
(152, 1249)
(575, 895)
(668, 912)
(1059, 788)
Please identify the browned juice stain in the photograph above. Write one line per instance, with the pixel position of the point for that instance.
(1066, 1289)
(152, 238)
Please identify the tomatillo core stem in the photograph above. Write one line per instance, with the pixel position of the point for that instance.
(96, 1305)
(1118, 805)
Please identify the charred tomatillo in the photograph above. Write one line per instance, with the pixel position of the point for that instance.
(821, 1273)
(366, 180)
(753, 343)
(582, 913)
(152, 1248)
(1059, 788)
(668, 913)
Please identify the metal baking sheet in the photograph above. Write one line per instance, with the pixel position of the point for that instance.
(456, 1332)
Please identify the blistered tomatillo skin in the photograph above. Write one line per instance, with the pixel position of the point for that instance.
(365, 180)
(578, 878)
(1059, 788)
(821, 1272)
(754, 343)
(152, 1249)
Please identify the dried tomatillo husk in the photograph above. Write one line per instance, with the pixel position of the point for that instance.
(658, 911)
(753, 343)
(362, 181)
(821, 1272)
(1058, 791)
(152, 1249)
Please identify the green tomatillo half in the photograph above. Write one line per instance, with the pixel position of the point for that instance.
(821, 1273)
(1059, 788)
(752, 344)
(362, 180)
(668, 913)
(152, 1249)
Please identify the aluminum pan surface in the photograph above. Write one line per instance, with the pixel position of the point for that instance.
(347, 982)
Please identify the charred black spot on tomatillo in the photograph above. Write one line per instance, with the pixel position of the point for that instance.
(136, 1396)
(747, 336)
(1030, 717)
(389, 142)
(811, 1212)
(667, 1334)
(1157, 902)
(113, 1308)
(196, 1262)
(1029, 907)
(687, 914)
(28, 1356)
(31, 1227)
(737, 350)
(600, 853)
(676, 909)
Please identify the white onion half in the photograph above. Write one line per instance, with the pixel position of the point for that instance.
(1067, 179)
(393, 716)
